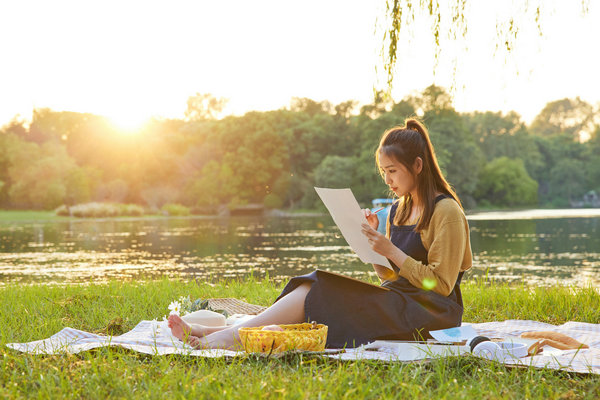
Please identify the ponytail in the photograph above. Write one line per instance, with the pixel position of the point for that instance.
(405, 144)
(415, 125)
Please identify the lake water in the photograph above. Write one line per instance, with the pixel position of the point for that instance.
(541, 247)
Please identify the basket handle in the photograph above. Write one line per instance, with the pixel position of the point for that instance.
(272, 346)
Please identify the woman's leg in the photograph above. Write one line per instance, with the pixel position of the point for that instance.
(288, 310)
(182, 329)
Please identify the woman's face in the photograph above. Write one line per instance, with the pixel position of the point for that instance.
(400, 180)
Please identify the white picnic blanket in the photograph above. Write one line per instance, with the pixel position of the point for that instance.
(152, 337)
(582, 361)
(149, 337)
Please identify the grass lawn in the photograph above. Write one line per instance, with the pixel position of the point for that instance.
(36, 312)
(8, 216)
(27, 215)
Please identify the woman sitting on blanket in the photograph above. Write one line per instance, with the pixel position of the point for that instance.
(427, 244)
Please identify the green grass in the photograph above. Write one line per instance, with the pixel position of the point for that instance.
(28, 215)
(36, 312)
(8, 216)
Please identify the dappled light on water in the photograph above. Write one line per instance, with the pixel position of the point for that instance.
(544, 251)
(536, 214)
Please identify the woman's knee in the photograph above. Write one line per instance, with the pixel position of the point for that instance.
(304, 287)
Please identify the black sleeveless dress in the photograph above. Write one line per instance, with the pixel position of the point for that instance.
(357, 313)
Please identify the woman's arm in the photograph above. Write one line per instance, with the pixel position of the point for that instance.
(384, 273)
(382, 245)
(445, 257)
(447, 243)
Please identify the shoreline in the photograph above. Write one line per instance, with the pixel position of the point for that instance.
(476, 281)
(12, 216)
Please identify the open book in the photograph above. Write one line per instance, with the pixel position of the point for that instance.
(348, 216)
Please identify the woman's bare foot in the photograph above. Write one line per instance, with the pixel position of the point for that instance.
(179, 328)
(195, 342)
(224, 339)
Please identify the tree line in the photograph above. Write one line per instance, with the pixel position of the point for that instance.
(275, 158)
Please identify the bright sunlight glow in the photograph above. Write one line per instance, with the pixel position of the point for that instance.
(133, 60)
(128, 124)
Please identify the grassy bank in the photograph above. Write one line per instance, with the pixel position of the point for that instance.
(8, 216)
(36, 312)
(28, 215)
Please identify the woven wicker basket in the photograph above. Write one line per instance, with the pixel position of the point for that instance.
(304, 337)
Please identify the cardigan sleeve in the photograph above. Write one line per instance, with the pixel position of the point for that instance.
(448, 250)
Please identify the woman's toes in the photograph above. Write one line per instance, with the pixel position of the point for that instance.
(194, 341)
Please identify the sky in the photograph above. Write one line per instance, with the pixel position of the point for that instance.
(132, 60)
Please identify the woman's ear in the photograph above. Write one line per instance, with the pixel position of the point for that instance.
(418, 165)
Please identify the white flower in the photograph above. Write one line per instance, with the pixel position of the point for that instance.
(185, 305)
(175, 308)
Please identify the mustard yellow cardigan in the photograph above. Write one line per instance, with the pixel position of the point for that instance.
(448, 250)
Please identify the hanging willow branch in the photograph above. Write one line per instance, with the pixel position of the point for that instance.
(403, 15)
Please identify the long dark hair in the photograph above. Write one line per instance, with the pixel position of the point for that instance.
(405, 144)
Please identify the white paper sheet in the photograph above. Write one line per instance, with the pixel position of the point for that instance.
(348, 216)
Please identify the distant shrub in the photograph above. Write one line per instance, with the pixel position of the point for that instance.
(133, 210)
(100, 210)
(175, 209)
(273, 201)
(505, 181)
(62, 211)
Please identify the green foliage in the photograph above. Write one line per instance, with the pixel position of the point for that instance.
(564, 177)
(457, 152)
(571, 117)
(115, 191)
(309, 106)
(335, 172)
(432, 99)
(131, 210)
(372, 123)
(567, 180)
(52, 126)
(593, 161)
(204, 106)
(40, 184)
(78, 185)
(175, 209)
(249, 160)
(6, 147)
(275, 158)
(499, 135)
(273, 200)
(100, 210)
(505, 181)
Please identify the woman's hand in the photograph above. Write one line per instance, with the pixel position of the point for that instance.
(371, 217)
(379, 243)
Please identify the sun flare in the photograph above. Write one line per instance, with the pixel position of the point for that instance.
(128, 124)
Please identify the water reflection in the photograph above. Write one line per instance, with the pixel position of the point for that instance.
(542, 251)
(537, 251)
